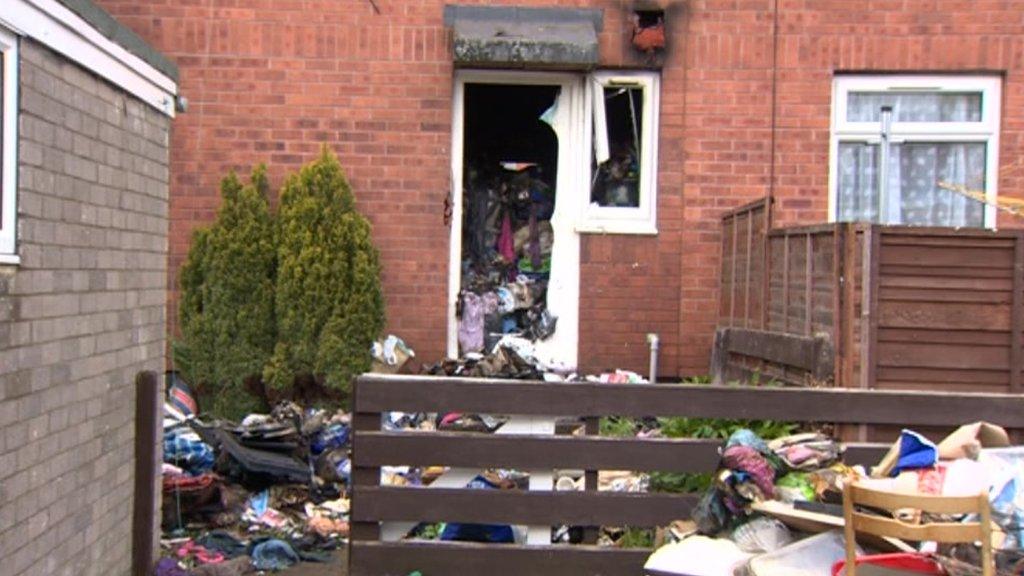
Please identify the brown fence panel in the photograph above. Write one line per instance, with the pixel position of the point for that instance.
(741, 302)
(374, 448)
(948, 310)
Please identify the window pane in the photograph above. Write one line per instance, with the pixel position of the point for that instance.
(858, 182)
(913, 194)
(616, 180)
(915, 106)
(916, 171)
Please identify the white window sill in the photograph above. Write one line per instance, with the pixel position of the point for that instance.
(9, 259)
(617, 228)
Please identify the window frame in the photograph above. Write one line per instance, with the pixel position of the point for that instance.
(986, 130)
(9, 156)
(624, 220)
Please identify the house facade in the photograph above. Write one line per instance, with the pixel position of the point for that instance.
(628, 152)
(85, 120)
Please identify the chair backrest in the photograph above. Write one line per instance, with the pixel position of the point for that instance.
(947, 532)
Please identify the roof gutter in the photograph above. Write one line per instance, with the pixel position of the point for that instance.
(54, 25)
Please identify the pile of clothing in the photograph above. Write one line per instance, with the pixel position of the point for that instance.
(261, 494)
(506, 259)
(752, 470)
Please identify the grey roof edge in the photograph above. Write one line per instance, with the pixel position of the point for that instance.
(523, 14)
(121, 35)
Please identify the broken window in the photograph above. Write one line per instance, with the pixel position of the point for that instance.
(8, 134)
(916, 150)
(624, 126)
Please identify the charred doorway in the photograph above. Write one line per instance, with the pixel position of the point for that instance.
(511, 167)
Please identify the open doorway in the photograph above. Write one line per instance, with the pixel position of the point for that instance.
(515, 254)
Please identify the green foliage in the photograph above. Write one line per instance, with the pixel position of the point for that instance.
(329, 304)
(617, 427)
(288, 300)
(709, 428)
(227, 298)
(636, 538)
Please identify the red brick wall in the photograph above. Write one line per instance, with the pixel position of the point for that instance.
(271, 80)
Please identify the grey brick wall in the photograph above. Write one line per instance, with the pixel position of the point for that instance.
(81, 315)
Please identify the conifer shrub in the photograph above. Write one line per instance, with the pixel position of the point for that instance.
(227, 299)
(329, 305)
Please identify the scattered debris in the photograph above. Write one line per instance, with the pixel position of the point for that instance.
(775, 508)
(262, 494)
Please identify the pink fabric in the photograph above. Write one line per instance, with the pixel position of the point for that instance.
(506, 245)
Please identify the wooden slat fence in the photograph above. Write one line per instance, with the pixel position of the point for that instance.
(901, 307)
(373, 448)
(743, 256)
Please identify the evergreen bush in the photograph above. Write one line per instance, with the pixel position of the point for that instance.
(227, 299)
(329, 305)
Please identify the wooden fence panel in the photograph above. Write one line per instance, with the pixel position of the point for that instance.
(742, 290)
(374, 448)
(903, 307)
(948, 310)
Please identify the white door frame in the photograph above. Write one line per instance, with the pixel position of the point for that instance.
(561, 349)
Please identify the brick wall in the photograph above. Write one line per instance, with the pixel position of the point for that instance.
(81, 315)
(270, 80)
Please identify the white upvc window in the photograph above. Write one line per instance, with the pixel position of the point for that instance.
(8, 144)
(623, 142)
(903, 145)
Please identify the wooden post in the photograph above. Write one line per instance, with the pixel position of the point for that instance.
(732, 288)
(747, 279)
(849, 302)
(362, 476)
(591, 428)
(785, 283)
(1017, 312)
(838, 293)
(809, 285)
(766, 264)
(869, 307)
(147, 463)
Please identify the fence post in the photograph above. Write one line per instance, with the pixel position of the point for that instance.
(147, 462)
(362, 476)
(785, 281)
(592, 427)
(1017, 312)
(869, 307)
(732, 288)
(766, 263)
(809, 285)
(746, 278)
(838, 304)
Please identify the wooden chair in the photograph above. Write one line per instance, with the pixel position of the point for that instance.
(946, 532)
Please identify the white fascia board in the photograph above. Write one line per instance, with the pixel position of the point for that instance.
(60, 29)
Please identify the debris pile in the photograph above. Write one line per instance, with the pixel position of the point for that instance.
(260, 495)
(776, 508)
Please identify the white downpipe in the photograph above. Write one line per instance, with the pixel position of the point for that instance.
(655, 343)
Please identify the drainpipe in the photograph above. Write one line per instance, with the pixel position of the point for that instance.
(654, 341)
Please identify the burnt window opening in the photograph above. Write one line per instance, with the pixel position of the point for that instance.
(649, 18)
(616, 164)
(623, 154)
(510, 164)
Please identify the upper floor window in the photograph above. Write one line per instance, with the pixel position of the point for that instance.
(905, 148)
(623, 179)
(8, 141)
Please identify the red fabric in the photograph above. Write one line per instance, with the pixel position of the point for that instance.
(920, 563)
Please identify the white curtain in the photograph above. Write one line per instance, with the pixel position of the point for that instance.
(913, 196)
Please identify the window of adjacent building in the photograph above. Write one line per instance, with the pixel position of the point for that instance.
(8, 133)
(915, 150)
(624, 108)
